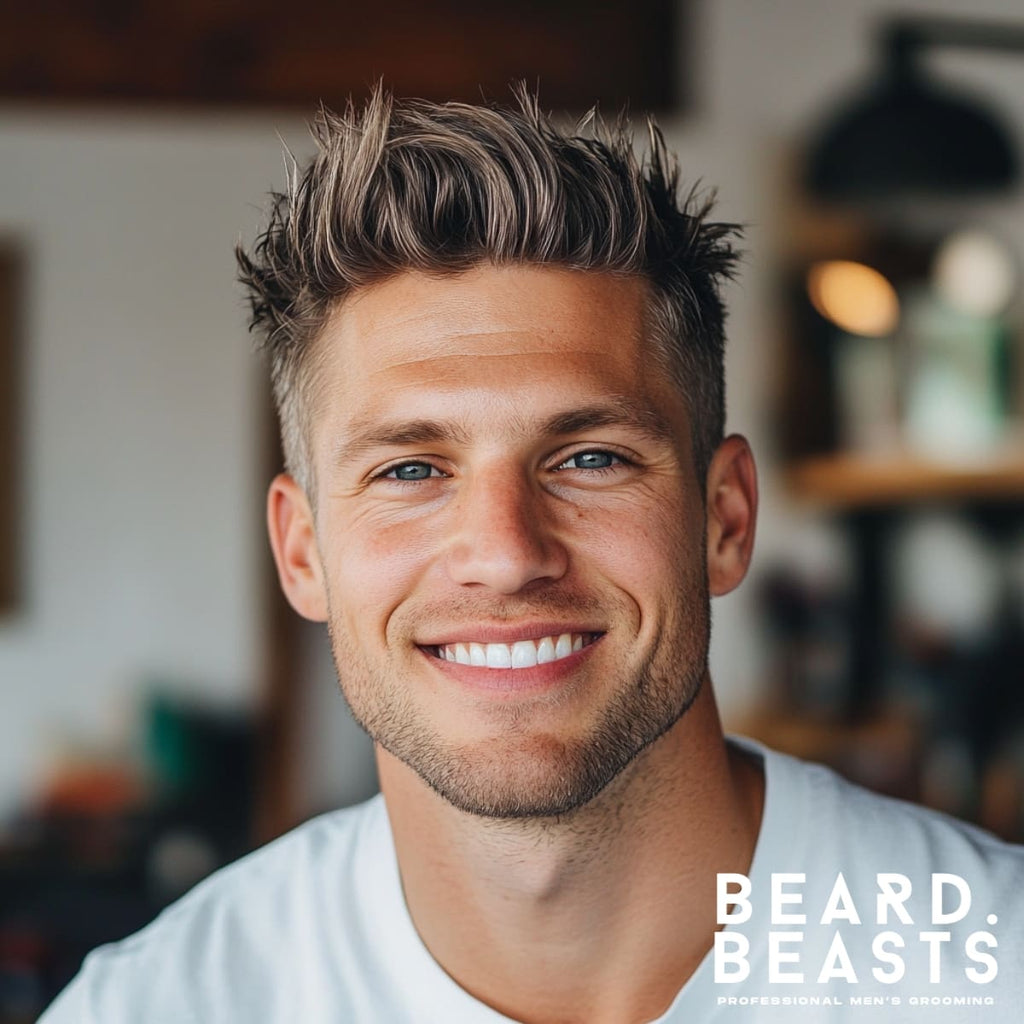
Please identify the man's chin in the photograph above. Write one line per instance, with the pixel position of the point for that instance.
(534, 761)
(540, 778)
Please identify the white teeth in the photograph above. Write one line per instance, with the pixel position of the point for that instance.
(524, 654)
(545, 651)
(521, 654)
(498, 656)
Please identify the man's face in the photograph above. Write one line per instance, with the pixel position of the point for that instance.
(509, 532)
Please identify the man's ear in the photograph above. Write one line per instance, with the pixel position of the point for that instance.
(731, 514)
(293, 541)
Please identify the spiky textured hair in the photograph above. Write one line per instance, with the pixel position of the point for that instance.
(412, 185)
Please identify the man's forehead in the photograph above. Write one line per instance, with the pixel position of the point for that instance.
(492, 311)
(519, 350)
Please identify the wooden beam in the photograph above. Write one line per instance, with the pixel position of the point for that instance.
(257, 52)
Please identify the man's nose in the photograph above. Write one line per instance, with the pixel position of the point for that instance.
(503, 537)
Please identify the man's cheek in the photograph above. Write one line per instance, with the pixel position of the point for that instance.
(372, 551)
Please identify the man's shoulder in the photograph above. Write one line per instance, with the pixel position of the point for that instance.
(274, 878)
(239, 932)
(882, 824)
(877, 899)
(820, 824)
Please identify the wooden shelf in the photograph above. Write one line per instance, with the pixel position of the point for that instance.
(854, 481)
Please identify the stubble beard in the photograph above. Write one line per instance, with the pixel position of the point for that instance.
(523, 774)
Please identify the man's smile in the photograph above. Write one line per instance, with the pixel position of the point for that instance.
(519, 654)
(512, 659)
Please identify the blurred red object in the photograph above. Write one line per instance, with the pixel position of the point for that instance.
(92, 790)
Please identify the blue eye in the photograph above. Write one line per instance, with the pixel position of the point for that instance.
(590, 460)
(411, 471)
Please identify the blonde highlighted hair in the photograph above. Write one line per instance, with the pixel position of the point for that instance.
(412, 185)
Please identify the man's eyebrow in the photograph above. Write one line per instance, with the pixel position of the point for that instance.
(397, 434)
(618, 413)
(401, 433)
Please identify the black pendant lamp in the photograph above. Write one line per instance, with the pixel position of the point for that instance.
(908, 135)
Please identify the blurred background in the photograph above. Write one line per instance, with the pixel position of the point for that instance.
(163, 712)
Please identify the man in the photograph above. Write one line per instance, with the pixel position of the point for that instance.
(496, 351)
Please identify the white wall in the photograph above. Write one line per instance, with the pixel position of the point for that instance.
(144, 503)
(141, 443)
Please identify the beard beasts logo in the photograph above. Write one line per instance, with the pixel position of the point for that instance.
(901, 940)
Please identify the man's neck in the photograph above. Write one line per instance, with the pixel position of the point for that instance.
(601, 915)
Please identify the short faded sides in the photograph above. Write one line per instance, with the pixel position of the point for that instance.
(402, 185)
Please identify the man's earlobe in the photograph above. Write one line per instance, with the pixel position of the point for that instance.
(731, 514)
(293, 541)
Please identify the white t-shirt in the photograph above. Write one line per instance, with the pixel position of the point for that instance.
(313, 928)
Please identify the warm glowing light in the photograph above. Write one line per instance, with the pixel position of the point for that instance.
(975, 273)
(854, 297)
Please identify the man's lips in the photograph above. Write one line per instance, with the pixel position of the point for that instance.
(508, 646)
(518, 654)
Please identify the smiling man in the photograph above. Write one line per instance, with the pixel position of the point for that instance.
(508, 538)
(496, 350)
